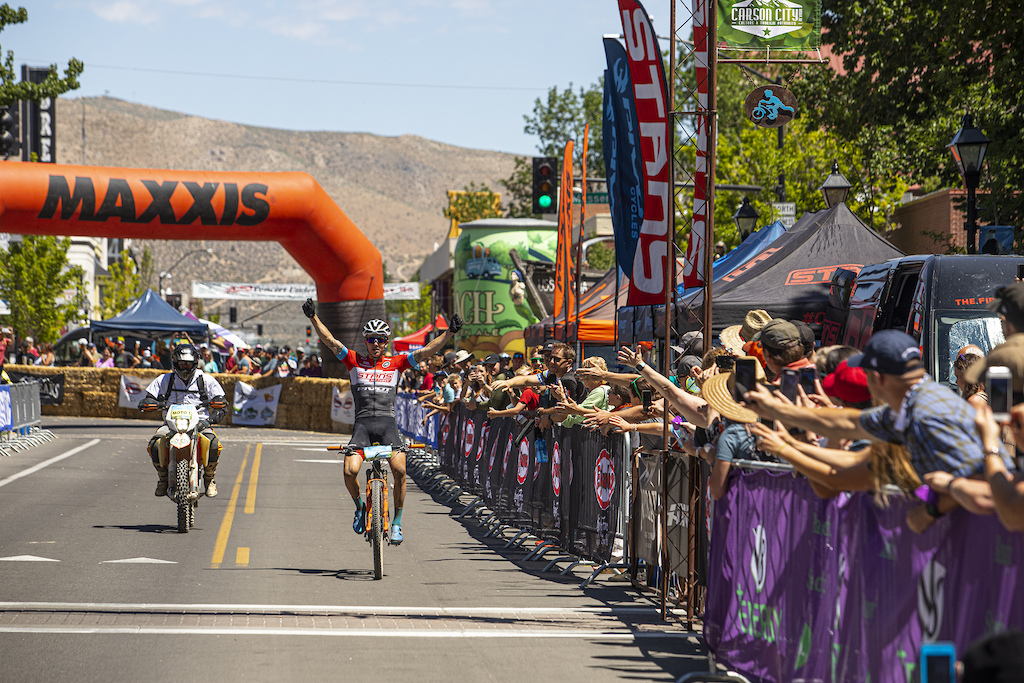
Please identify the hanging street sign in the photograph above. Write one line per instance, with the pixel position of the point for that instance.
(770, 24)
(770, 106)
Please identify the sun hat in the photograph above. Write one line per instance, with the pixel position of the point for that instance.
(847, 384)
(717, 391)
(734, 336)
(462, 355)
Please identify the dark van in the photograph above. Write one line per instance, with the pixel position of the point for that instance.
(939, 300)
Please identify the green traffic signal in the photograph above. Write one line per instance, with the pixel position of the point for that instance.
(544, 201)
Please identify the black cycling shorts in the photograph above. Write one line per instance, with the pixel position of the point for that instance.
(379, 429)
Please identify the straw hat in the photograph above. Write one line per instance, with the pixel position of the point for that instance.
(734, 336)
(717, 391)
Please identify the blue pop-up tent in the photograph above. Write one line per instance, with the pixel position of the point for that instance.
(149, 317)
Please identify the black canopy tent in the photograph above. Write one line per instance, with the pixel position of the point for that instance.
(149, 317)
(790, 279)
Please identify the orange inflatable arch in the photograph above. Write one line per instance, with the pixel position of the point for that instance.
(290, 208)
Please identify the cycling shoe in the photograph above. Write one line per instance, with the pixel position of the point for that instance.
(396, 534)
(359, 522)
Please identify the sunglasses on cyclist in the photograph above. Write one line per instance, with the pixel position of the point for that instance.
(377, 340)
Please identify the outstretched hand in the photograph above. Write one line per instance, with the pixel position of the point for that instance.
(628, 356)
(309, 308)
(456, 324)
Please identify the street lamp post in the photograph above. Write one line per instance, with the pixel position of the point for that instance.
(968, 149)
(167, 273)
(836, 187)
(746, 219)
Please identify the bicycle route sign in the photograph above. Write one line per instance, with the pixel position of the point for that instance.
(770, 106)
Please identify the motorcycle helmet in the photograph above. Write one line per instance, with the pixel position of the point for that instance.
(376, 328)
(185, 360)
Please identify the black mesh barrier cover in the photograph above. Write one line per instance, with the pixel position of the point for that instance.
(479, 426)
(678, 507)
(519, 481)
(649, 490)
(497, 443)
(595, 479)
(446, 439)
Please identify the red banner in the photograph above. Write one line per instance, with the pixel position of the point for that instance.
(650, 264)
(693, 269)
(564, 297)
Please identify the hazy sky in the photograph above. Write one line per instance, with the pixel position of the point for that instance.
(462, 72)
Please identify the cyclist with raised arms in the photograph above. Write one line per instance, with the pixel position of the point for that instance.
(374, 380)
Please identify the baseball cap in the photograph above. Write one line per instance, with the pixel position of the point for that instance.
(847, 384)
(778, 334)
(449, 357)
(1009, 301)
(30, 340)
(504, 355)
(1009, 354)
(889, 352)
(549, 346)
(692, 342)
(83, 342)
(806, 334)
(147, 353)
(492, 359)
(687, 363)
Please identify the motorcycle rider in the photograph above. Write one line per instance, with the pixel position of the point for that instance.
(186, 383)
(374, 380)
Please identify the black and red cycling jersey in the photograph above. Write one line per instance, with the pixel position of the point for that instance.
(375, 383)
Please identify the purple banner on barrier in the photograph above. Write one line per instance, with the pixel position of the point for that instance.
(840, 590)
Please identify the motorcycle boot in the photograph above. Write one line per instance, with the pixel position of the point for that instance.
(161, 484)
(210, 470)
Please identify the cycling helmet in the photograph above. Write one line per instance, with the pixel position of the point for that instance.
(185, 360)
(376, 328)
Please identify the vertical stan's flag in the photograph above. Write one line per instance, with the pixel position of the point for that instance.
(693, 269)
(583, 218)
(622, 155)
(650, 95)
(563, 251)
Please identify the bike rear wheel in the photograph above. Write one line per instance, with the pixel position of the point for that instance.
(377, 523)
(181, 480)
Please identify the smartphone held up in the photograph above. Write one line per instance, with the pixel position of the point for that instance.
(999, 386)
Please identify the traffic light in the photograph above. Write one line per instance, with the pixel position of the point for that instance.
(545, 185)
(233, 315)
(9, 132)
(309, 332)
(259, 330)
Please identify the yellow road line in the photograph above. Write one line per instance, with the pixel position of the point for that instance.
(229, 516)
(242, 557)
(254, 475)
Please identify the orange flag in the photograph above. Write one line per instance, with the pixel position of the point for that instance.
(564, 296)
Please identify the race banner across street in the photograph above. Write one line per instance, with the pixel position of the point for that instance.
(265, 291)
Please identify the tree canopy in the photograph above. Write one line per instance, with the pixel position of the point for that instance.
(44, 293)
(12, 89)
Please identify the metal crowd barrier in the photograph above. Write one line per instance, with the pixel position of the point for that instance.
(426, 464)
(20, 419)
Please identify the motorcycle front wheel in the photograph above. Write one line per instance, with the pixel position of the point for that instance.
(377, 527)
(181, 479)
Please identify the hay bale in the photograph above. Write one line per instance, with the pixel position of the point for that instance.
(99, 404)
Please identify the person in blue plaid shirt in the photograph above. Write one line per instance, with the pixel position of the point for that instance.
(935, 424)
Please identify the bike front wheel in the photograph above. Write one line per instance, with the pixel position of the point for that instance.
(181, 480)
(377, 524)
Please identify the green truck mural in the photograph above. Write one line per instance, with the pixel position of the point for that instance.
(487, 291)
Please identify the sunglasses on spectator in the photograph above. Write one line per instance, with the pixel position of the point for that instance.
(377, 340)
(558, 359)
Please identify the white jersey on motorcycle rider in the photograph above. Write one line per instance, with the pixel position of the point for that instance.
(187, 394)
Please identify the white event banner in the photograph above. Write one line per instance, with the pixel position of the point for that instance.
(343, 407)
(131, 391)
(255, 407)
(263, 291)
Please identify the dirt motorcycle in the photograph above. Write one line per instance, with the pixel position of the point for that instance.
(184, 483)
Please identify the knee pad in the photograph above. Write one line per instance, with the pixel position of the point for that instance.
(214, 453)
(154, 449)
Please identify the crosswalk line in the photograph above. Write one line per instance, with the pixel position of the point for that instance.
(138, 560)
(27, 558)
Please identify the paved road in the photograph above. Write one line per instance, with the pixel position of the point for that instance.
(97, 585)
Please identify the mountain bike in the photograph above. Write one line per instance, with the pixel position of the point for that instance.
(378, 514)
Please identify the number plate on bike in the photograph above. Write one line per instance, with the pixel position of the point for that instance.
(181, 440)
(376, 452)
